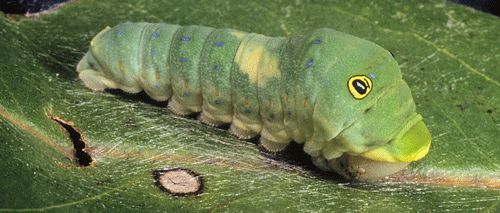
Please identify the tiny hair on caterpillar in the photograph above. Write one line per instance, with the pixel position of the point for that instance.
(340, 96)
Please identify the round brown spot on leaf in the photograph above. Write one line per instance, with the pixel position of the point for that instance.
(179, 181)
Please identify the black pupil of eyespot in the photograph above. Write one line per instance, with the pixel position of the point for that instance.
(360, 86)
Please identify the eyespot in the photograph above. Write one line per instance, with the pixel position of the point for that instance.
(359, 86)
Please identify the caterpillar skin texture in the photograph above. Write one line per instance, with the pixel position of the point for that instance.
(341, 96)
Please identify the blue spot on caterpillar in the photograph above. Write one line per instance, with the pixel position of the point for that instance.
(155, 35)
(217, 67)
(350, 122)
(119, 33)
(310, 63)
(219, 43)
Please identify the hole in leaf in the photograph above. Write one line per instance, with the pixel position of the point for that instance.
(178, 181)
(82, 157)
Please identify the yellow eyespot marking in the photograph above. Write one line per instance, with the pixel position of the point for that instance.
(359, 86)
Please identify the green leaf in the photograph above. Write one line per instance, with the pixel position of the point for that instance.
(448, 54)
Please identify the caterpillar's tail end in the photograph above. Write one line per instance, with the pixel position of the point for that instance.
(90, 71)
(92, 78)
(83, 64)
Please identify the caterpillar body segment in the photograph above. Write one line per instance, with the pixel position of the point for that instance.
(215, 68)
(342, 96)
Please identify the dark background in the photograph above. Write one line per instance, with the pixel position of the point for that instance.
(34, 6)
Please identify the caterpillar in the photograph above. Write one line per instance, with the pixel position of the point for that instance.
(340, 96)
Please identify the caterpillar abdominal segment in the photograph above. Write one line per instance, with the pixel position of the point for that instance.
(281, 88)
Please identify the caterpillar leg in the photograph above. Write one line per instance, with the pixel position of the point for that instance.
(274, 142)
(90, 72)
(240, 130)
(360, 168)
(208, 119)
(91, 78)
(95, 81)
(177, 108)
(273, 146)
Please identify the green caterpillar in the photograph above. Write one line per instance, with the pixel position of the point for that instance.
(342, 96)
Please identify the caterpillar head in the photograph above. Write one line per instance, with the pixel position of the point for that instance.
(364, 110)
